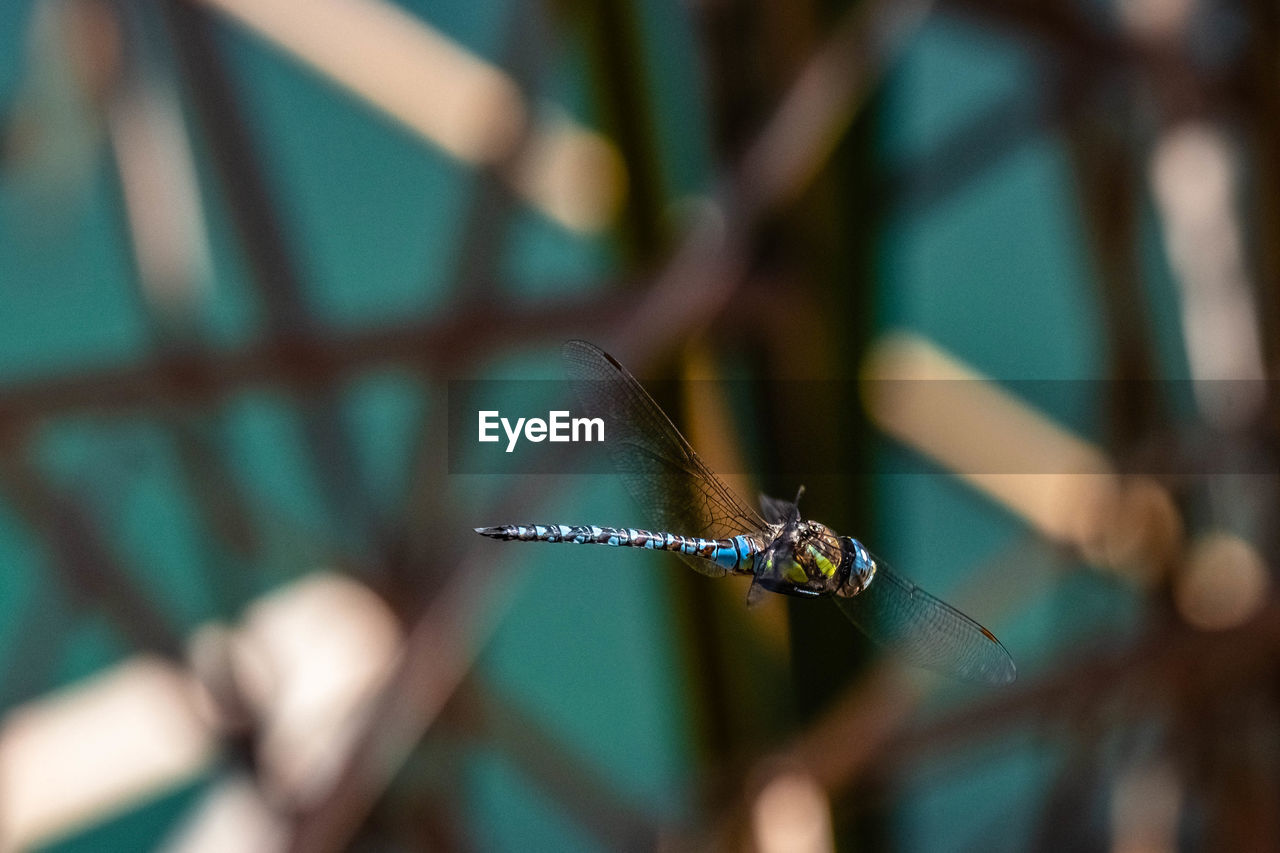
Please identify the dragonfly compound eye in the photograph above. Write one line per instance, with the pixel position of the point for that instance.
(858, 568)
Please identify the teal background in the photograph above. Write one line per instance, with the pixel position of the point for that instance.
(592, 645)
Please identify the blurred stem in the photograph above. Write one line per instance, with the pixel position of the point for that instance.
(1108, 180)
(1262, 67)
(619, 68)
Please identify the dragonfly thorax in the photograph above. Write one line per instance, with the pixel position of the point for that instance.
(808, 558)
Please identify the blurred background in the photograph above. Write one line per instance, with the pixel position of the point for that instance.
(246, 246)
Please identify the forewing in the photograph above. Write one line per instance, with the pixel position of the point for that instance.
(898, 614)
(777, 511)
(675, 489)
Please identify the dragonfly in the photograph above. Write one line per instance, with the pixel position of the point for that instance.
(691, 512)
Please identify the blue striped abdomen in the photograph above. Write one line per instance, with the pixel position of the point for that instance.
(735, 554)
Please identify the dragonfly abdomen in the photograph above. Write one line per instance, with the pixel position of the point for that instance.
(733, 554)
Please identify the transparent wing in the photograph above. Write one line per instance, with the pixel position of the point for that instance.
(676, 490)
(927, 632)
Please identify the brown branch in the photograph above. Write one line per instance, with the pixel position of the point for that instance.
(84, 564)
(554, 766)
(201, 379)
(1062, 26)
